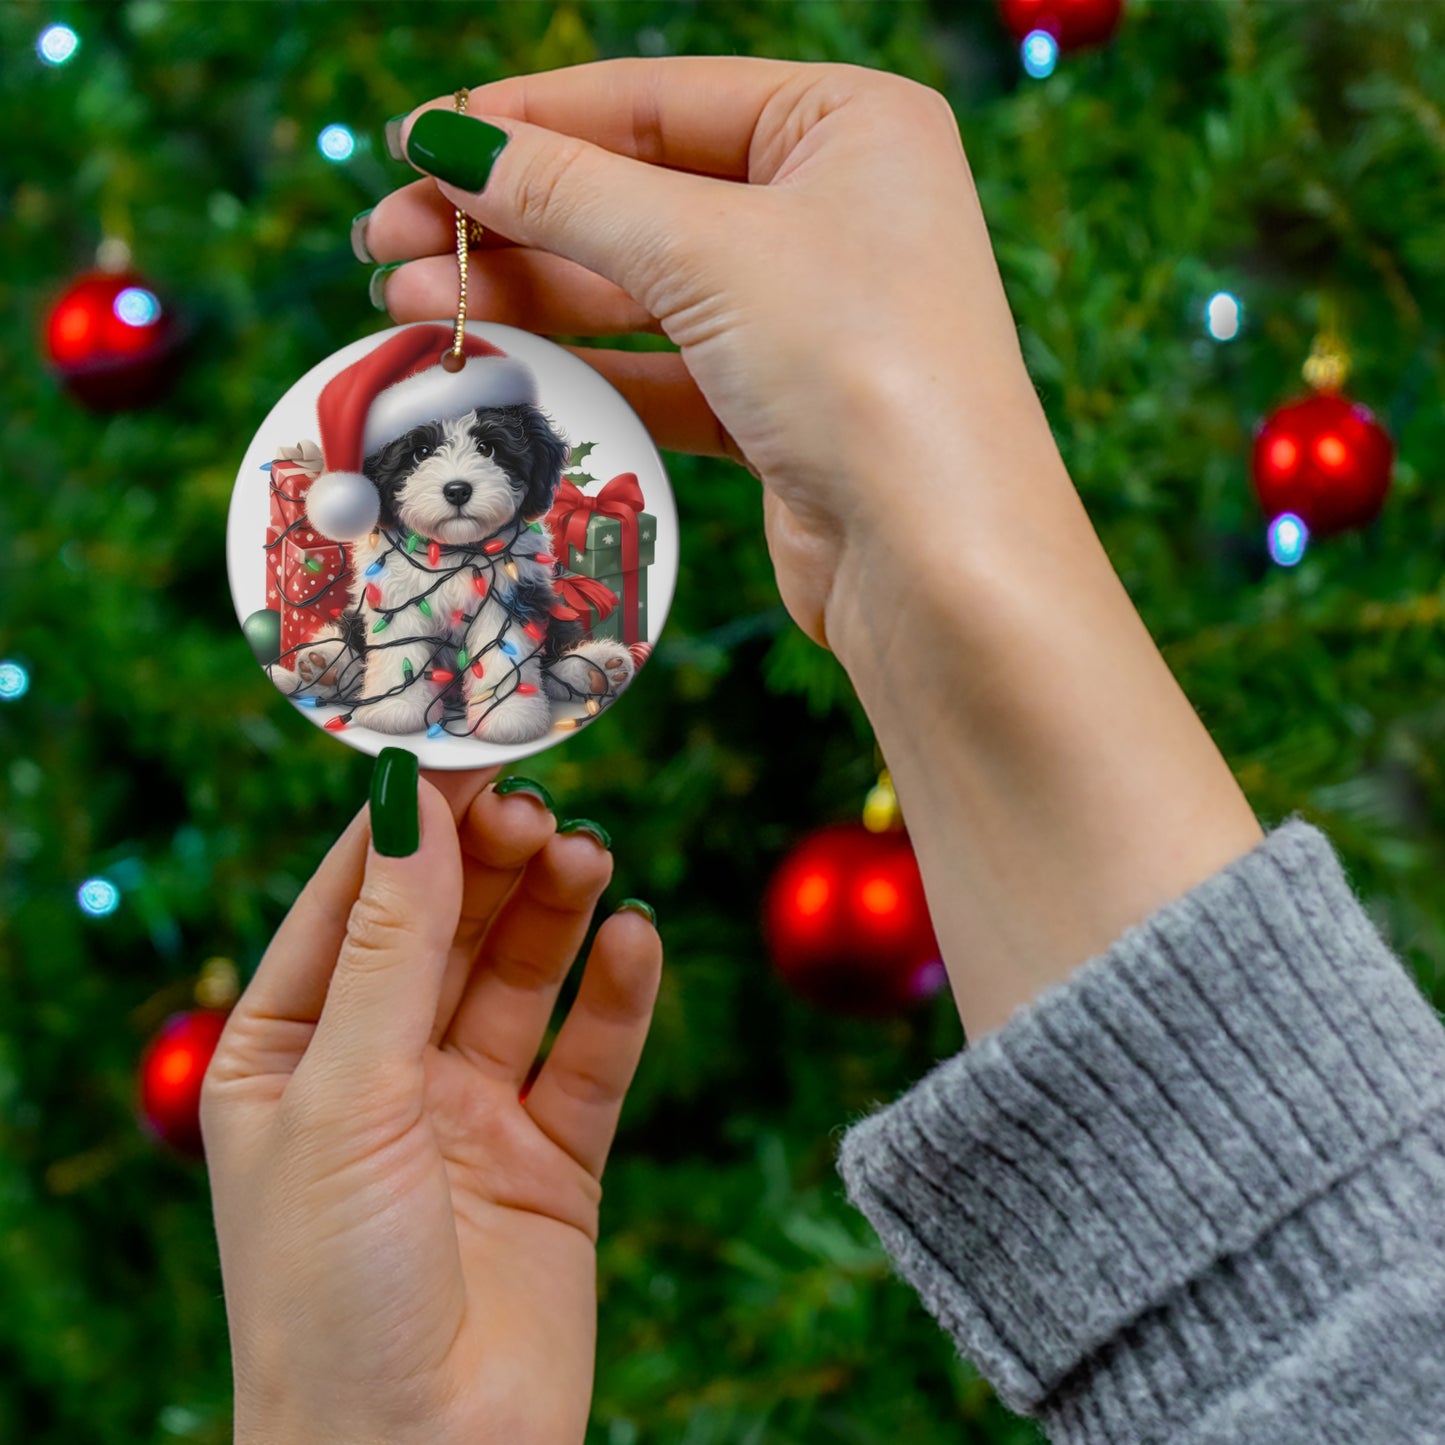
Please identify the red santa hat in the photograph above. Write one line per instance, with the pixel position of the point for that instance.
(400, 385)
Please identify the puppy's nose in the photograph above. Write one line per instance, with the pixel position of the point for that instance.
(457, 492)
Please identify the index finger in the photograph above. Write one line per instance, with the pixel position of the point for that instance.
(696, 113)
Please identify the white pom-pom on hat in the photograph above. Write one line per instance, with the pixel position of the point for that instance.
(382, 396)
(343, 506)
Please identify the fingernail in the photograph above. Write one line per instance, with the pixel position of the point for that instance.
(455, 148)
(636, 905)
(395, 811)
(586, 825)
(359, 248)
(376, 288)
(525, 785)
(393, 136)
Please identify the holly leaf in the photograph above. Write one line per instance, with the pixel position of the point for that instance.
(580, 453)
(579, 479)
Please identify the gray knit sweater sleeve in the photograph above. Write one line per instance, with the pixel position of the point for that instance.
(1196, 1192)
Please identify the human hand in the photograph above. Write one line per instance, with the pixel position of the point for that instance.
(407, 1246)
(841, 321)
(810, 237)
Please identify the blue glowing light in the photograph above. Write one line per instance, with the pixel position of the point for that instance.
(509, 648)
(336, 143)
(14, 681)
(373, 569)
(57, 44)
(1288, 537)
(435, 730)
(137, 307)
(98, 897)
(1223, 316)
(1040, 52)
(308, 702)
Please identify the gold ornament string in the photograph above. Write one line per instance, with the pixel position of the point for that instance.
(469, 232)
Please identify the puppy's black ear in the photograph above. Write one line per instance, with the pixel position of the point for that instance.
(548, 453)
(388, 469)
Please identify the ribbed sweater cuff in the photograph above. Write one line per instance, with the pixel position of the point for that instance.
(1168, 1151)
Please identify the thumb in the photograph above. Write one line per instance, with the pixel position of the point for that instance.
(382, 1000)
(628, 221)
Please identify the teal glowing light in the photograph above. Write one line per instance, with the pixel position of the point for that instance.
(1288, 537)
(137, 307)
(1040, 52)
(14, 681)
(57, 44)
(336, 143)
(98, 897)
(1223, 316)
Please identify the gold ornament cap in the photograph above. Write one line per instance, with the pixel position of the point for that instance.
(881, 813)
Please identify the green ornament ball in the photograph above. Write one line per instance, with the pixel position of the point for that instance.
(263, 632)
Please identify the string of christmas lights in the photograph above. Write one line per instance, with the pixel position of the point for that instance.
(484, 560)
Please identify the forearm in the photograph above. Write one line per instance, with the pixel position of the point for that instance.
(1056, 782)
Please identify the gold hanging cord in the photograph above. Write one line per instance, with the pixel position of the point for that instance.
(469, 232)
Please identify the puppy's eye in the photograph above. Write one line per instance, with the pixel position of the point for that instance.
(421, 454)
(484, 446)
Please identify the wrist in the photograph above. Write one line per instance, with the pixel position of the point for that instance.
(1057, 784)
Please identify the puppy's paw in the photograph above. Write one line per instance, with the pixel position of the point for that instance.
(599, 670)
(512, 720)
(317, 669)
(404, 713)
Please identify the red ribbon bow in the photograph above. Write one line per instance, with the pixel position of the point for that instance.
(577, 592)
(573, 509)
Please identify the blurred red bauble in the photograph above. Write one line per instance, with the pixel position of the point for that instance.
(1073, 23)
(847, 923)
(112, 341)
(171, 1071)
(1324, 458)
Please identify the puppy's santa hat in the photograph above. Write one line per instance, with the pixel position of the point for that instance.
(400, 385)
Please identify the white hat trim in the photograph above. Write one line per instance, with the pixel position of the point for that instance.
(436, 393)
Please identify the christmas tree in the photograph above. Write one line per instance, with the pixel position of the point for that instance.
(1179, 215)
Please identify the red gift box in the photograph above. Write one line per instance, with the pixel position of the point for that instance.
(314, 592)
(306, 574)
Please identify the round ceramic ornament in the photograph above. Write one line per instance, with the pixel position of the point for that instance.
(461, 542)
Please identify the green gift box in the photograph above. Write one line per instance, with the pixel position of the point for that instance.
(602, 556)
(618, 542)
(613, 627)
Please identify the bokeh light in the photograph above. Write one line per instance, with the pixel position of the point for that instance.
(1223, 316)
(137, 307)
(57, 44)
(336, 143)
(1040, 52)
(1288, 537)
(14, 681)
(98, 897)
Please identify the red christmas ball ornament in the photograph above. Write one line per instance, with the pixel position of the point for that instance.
(112, 341)
(1326, 459)
(1073, 23)
(847, 923)
(171, 1071)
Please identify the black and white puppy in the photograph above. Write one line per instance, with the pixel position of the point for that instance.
(471, 484)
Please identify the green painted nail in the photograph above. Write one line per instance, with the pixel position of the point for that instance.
(395, 811)
(455, 148)
(392, 132)
(376, 289)
(359, 248)
(525, 785)
(636, 905)
(586, 825)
